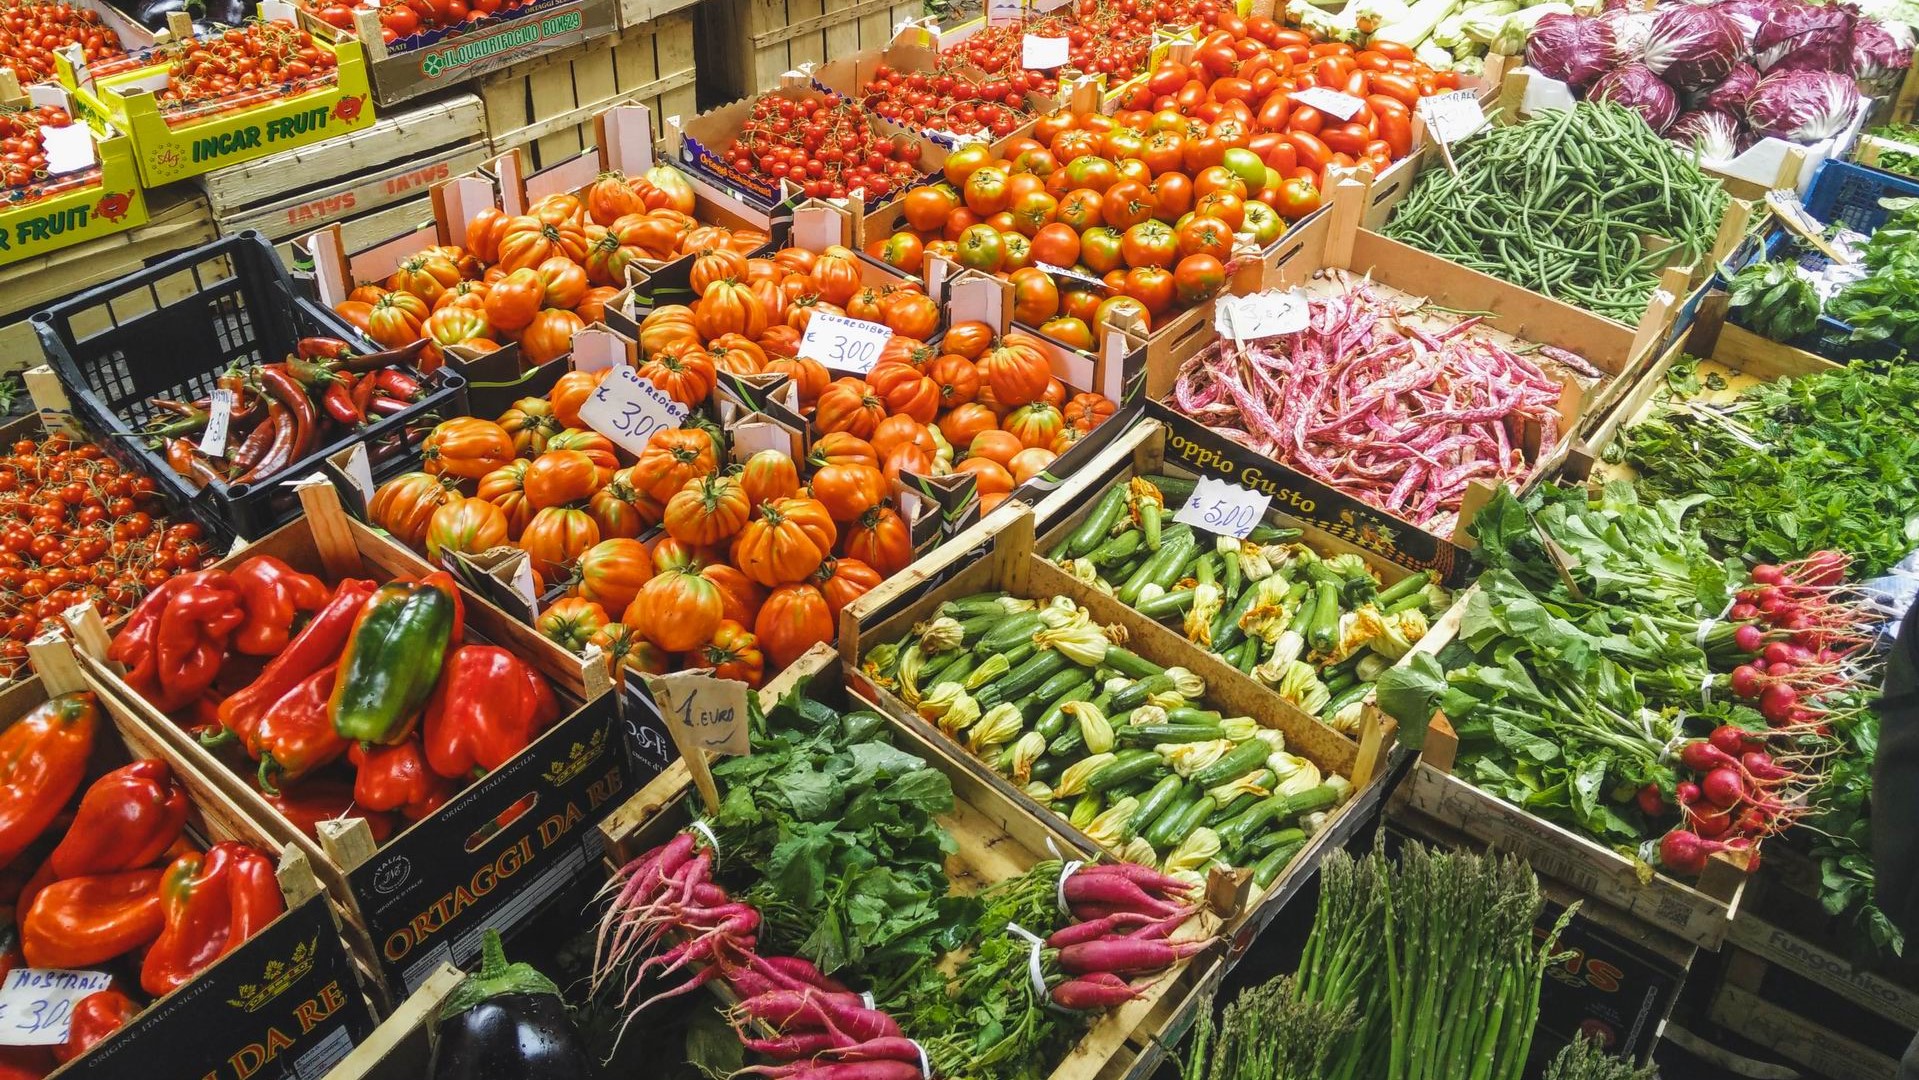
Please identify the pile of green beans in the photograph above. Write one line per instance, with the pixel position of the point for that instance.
(1564, 204)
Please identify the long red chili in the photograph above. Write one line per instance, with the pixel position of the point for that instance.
(282, 387)
(339, 404)
(398, 383)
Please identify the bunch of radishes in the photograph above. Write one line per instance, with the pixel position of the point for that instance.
(1124, 914)
(1797, 633)
(670, 891)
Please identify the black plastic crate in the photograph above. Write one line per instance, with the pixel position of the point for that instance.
(171, 329)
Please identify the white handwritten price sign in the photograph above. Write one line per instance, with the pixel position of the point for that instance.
(703, 712)
(842, 343)
(214, 444)
(1044, 53)
(1261, 315)
(1331, 102)
(1453, 116)
(36, 1004)
(1222, 508)
(1074, 275)
(629, 409)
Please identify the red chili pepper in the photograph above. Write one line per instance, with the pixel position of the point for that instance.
(210, 902)
(363, 388)
(317, 348)
(282, 387)
(386, 406)
(127, 819)
(397, 383)
(338, 401)
(273, 593)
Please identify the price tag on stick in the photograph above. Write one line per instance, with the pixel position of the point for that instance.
(219, 416)
(36, 1004)
(1331, 102)
(1222, 508)
(1453, 116)
(1261, 315)
(842, 343)
(705, 716)
(629, 409)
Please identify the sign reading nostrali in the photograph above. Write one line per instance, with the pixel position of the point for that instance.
(484, 53)
(285, 1003)
(495, 853)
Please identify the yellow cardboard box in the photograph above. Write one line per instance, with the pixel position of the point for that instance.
(168, 152)
(102, 205)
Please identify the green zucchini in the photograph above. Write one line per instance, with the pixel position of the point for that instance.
(1048, 768)
(1023, 678)
(1095, 526)
(1410, 585)
(1118, 549)
(1192, 817)
(1323, 632)
(1273, 838)
(1129, 663)
(1086, 808)
(1226, 630)
(1356, 692)
(1175, 489)
(1011, 631)
(969, 607)
(1186, 714)
(1166, 605)
(1272, 534)
(1274, 861)
(1053, 721)
(958, 670)
(1233, 809)
(1154, 734)
(1051, 690)
(1156, 833)
(1157, 798)
(1234, 764)
(1127, 765)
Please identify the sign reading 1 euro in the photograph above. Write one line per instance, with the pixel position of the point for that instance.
(843, 344)
(629, 409)
(1222, 508)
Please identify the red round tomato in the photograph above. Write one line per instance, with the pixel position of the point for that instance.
(1152, 286)
(1068, 330)
(1057, 244)
(1225, 206)
(1173, 193)
(1150, 243)
(1019, 251)
(1122, 303)
(1126, 204)
(1089, 171)
(1081, 209)
(1297, 198)
(1100, 249)
(1081, 304)
(1262, 223)
(985, 191)
(1035, 296)
(1204, 236)
(1033, 211)
(903, 251)
(1198, 277)
(982, 247)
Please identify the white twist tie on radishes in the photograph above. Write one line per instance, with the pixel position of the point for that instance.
(1067, 870)
(1705, 691)
(1032, 960)
(1705, 628)
(707, 831)
(926, 1064)
(866, 998)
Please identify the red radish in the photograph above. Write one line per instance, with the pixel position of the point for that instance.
(1754, 821)
(1728, 739)
(1086, 995)
(789, 1047)
(1759, 765)
(1708, 820)
(1164, 927)
(1685, 853)
(1114, 891)
(1768, 574)
(1823, 568)
(1124, 955)
(1701, 756)
(1781, 670)
(804, 970)
(1746, 681)
(860, 1070)
(1723, 787)
(1794, 619)
(1686, 792)
(1098, 928)
(1742, 611)
(1651, 802)
(1776, 703)
(1749, 638)
(1144, 876)
(885, 1048)
(1748, 596)
(1780, 652)
(816, 1010)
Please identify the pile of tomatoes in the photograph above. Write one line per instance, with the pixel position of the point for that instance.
(242, 62)
(1111, 37)
(23, 151)
(75, 527)
(31, 30)
(1152, 217)
(405, 18)
(955, 100)
(538, 278)
(1243, 78)
(824, 145)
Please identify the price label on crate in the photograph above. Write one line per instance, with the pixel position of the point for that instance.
(846, 344)
(1222, 508)
(1331, 102)
(1451, 117)
(629, 409)
(219, 416)
(36, 1004)
(1044, 53)
(1261, 315)
(703, 711)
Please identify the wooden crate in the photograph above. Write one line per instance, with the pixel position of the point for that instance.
(492, 852)
(996, 840)
(746, 45)
(396, 160)
(310, 1013)
(177, 218)
(366, 230)
(1009, 564)
(1747, 1003)
(402, 1046)
(548, 105)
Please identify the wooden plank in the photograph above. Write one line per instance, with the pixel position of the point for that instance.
(401, 1047)
(1566, 856)
(811, 17)
(369, 229)
(1867, 989)
(178, 218)
(1817, 1048)
(408, 181)
(549, 105)
(394, 138)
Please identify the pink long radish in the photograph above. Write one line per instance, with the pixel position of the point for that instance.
(790, 1047)
(1163, 927)
(804, 970)
(1124, 955)
(884, 1048)
(815, 1009)
(1098, 928)
(860, 1070)
(1144, 876)
(1086, 994)
(1114, 891)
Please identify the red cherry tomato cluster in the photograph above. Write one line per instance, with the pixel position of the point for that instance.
(258, 58)
(1148, 220)
(953, 99)
(74, 527)
(824, 146)
(1248, 72)
(405, 18)
(30, 31)
(23, 153)
(1109, 36)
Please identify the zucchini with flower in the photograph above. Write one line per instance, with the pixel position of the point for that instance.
(1130, 753)
(1318, 629)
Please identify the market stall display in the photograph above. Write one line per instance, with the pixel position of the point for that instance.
(59, 184)
(31, 30)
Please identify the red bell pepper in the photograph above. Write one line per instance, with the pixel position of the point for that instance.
(323, 798)
(127, 819)
(296, 735)
(211, 902)
(43, 757)
(398, 778)
(95, 1017)
(273, 594)
(25, 1062)
(175, 641)
(90, 920)
(489, 706)
(317, 645)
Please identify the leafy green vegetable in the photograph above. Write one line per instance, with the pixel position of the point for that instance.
(831, 833)
(1792, 466)
(1774, 300)
(1893, 159)
(1879, 306)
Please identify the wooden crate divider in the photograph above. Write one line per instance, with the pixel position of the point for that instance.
(548, 105)
(1738, 1006)
(746, 45)
(398, 159)
(1010, 565)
